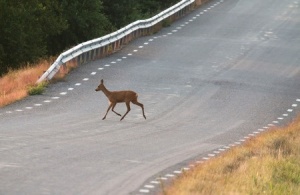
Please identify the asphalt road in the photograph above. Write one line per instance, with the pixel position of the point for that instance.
(224, 73)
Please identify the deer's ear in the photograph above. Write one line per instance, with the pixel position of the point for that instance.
(101, 81)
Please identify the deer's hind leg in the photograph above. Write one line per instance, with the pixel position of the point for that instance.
(140, 105)
(128, 109)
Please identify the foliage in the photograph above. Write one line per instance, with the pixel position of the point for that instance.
(37, 89)
(34, 29)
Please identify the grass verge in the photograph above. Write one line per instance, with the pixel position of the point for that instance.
(18, 84)
(267, 164)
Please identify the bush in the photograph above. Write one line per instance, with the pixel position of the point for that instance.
(37, 89)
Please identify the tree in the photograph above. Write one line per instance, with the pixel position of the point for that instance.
(24, 28)
(85, 21)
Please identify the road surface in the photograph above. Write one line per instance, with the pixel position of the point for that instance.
(224, 73)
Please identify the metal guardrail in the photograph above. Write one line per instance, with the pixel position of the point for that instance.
(99, 47)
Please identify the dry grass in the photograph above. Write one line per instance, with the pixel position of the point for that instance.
(267, 164)
(15, 84)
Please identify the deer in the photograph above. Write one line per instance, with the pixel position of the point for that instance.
(115, 97)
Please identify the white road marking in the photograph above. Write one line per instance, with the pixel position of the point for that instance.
(85, 79)
(47, 101)
(149, 186)
(29, 108)
(177, 172)
(63, 93)
(71, 88)
(144, 190)
(38, 104)
(294, 105)
(155, 182)
(78, 84)
(100, 68)
(93, 73)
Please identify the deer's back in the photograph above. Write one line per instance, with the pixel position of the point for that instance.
(123, 96)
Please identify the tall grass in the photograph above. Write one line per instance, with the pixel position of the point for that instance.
(267, 164)
(16, 84)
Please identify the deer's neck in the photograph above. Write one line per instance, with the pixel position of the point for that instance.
(106, 91)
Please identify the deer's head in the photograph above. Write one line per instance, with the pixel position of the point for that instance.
(101, 86)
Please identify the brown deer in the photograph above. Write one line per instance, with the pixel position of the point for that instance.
(115, 97)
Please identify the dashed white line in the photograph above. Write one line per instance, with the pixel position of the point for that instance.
(85, 79)
(78, 84)
(144, 190)
(155, 182)
(63, 93)
(177, 172)
(38, 105)
(170, 175)
(70, 88)
(149, 186)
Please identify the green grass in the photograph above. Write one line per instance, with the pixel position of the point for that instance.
(37, 89)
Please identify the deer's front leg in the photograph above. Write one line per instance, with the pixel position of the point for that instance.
(110, 104)
(113, 106)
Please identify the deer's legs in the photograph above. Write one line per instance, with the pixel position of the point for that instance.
(110, 105)
(140, 105)
(128, 109)
(113, 106)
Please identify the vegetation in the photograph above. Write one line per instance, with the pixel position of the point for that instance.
(35, 29)
(267, 164)
(37, 89)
